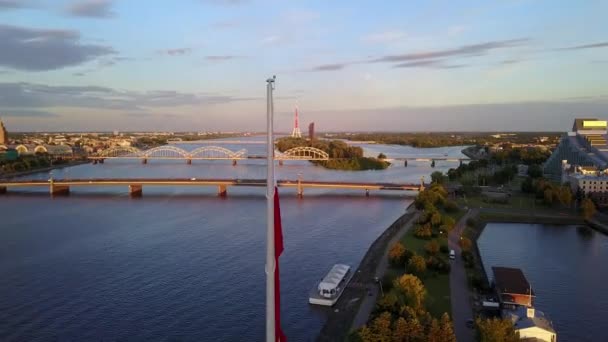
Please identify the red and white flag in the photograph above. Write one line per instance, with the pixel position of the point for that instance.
(278, 249)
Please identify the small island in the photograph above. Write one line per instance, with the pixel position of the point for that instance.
(342, 156)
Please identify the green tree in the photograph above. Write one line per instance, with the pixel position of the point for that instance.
(496, 330)
(416, 265)
(438, 177)
(411, 289)
(588, 208)
(436, 219)
(381, 156)
(432, 247)
(565, 196)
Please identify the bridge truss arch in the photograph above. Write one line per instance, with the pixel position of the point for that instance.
(303, 153)
(165, 152)
(119, 151)
(216, 152)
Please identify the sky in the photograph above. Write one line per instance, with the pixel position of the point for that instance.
(202, 65)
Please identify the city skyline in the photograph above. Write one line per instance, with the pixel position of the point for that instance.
(201, 65)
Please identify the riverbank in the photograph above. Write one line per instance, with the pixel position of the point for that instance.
(44, 169)
(355, 301)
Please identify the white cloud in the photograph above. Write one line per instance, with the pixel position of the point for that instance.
(384, 37)
(456, 30)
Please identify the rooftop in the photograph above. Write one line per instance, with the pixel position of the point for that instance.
(511, 280)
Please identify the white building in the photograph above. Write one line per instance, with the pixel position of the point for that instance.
(532, 325)
(591, 182)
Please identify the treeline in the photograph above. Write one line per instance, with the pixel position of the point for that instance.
(520, 155)
(26, 163)
(448, 138)
(342, 156)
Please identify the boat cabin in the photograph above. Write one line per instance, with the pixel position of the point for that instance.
(330, 285)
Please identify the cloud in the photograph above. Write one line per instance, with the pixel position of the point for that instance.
(424, 63)
(454, 31)
(329, 67)
(383, 37)
(462, 51)
(177, 51)
(300, 16)
(225, 2)
(31, 95)
(32, 49)
(272, 39)
(22, 113)
(434, 58)
(11, 4)
(225, 24)
(91, 9)
(219, 58)
(586, 46)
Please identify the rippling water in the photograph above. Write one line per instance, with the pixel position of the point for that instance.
(567, 271)
(181, 263)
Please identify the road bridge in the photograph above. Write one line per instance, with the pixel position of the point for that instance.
(135, 185)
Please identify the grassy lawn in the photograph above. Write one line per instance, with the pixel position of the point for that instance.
(438, 297)
(437, 284)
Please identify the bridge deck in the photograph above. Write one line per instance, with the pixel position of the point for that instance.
(207, 182)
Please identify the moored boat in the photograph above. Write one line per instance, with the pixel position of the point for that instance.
(331, 287)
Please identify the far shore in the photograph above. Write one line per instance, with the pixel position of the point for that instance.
(44, 169)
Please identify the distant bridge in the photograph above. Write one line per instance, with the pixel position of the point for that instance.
(203, 153)
(135, 185)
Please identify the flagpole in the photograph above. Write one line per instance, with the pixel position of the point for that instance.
(270, 257)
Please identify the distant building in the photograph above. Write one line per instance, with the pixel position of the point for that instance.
(590, 181)
(585, 145)
(311, 131)
(3, 134)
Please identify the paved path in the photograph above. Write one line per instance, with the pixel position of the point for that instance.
(369, 302)
(459, 291)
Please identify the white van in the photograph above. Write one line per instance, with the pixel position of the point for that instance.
(452, 254)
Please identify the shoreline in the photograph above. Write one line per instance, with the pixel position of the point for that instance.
(45, 169)
(340, 320)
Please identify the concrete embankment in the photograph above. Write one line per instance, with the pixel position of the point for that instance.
(340, 319)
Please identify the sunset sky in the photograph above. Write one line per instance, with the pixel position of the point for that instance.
(201, 65)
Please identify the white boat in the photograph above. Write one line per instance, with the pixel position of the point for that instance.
(329, 290)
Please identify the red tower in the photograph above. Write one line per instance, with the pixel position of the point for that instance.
(296, 127)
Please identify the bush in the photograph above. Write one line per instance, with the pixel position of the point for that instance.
(465, 243)
(395, 254)
(450, 206)
(437, 264)
(468, 258)
(471, 222)
(416, 265)
(423, 232)
(444, 249)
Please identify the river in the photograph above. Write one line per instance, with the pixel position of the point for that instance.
(567, 271)
(181, 263)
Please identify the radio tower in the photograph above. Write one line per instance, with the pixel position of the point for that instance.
(296, 127)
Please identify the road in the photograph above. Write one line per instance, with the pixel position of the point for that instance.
(459, 290)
